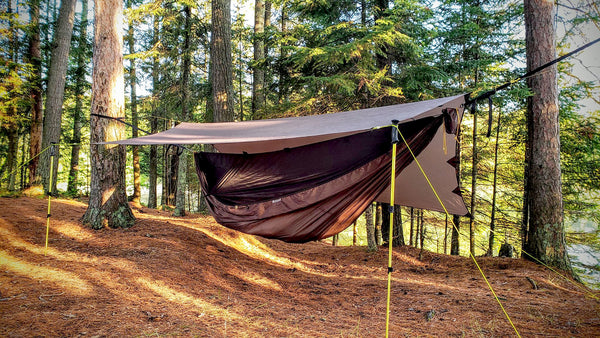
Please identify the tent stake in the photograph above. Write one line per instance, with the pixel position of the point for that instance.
(395, 140)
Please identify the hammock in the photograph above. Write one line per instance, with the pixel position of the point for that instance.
(307, 178)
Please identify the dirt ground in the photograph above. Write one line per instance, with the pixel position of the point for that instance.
(169, 276)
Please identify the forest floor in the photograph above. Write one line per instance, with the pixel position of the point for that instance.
(169, 276)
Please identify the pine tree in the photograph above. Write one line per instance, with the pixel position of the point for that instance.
(221, 62)
(546, 236)
(108, 201)
(135, 198)
(34, 56)
(185, 111)
(80, 86)
(56, 87)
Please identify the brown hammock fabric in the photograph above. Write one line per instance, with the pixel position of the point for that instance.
(309, 192)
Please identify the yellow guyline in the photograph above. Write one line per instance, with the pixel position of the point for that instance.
(454, 225)
(52, 154)
(390, 236)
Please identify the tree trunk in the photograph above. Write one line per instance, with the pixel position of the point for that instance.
(108, 201)
(258, 70)
(354, 234)
(446, 236)
(35, 59)
(11, 156)
(80, 81)
(475, 161)
(283, 72)
(153, 156)
(220, 58)
(185, 114)
(56, 88)
(137, 193)
(411, 241)
(385, 223)
(398, 229)
(454, 240)
(370, 225)
(422, 230)
(546, 237)
(265, 64)
(490, 251)
(417, 228)
(378, 222)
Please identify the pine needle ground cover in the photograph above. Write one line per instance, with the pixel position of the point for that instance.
(169, 276)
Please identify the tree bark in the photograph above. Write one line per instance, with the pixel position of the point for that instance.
(398, 235)
(80, 73)
(56, 88)
(378, 222)
(258, 82)
(137, 193)
(490, 251)
(221, 64)
(185, 114)
(454, 240)
(108, 201)
(153, 156)
(385, 223)
(35, 59)
(411, 241)
(422, 233)
(475, 161)
(370, 225)
(282, 69)
(546, 237)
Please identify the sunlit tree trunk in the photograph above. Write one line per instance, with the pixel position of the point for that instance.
(137, 194)
(546, 235)
(108, 201)
(80, 81)
(56, 88)
(153, 156)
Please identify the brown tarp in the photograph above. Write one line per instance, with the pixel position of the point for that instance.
(256, 143)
